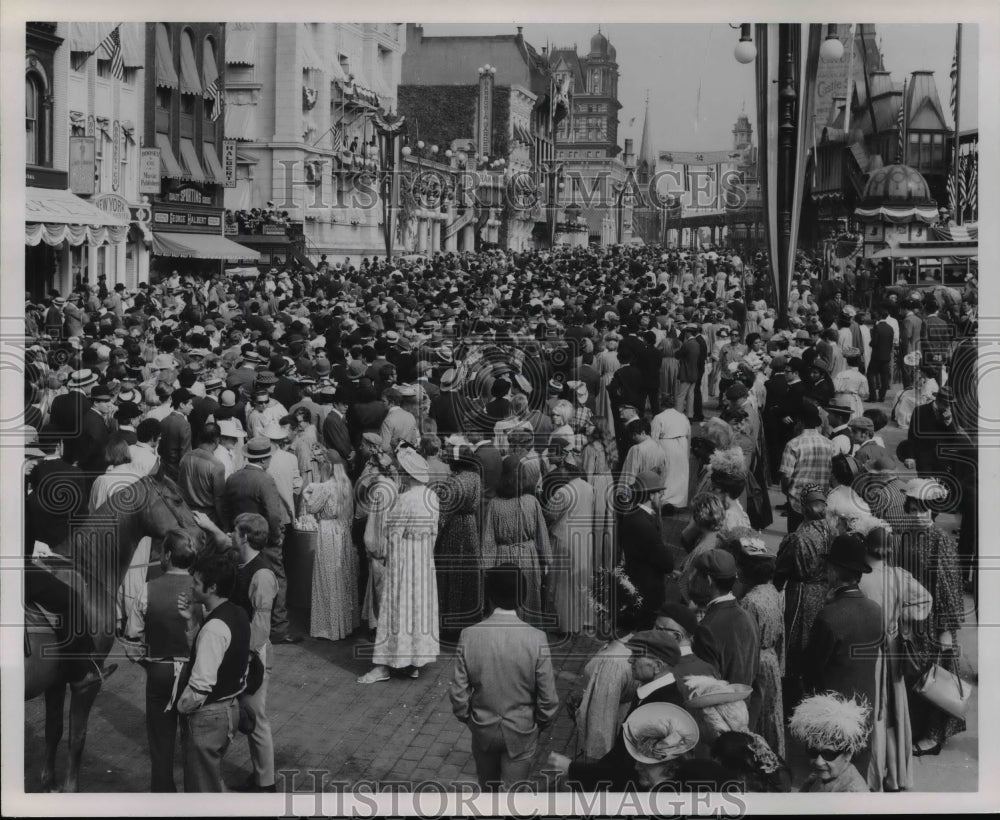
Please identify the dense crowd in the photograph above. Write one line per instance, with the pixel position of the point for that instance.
(525, 437)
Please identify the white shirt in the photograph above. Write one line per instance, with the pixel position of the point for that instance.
(144, 458)
(647, 689)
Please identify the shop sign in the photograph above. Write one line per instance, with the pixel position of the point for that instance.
(274, 230)
(149, 170)
(229, 162)
(175, 219)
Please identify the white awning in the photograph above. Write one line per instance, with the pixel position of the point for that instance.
(190, 83)
(209, 68)
(190, 159)
(307, 50)
(241, 44)
(201, 246)
(240, 122)
(54, 216)
(133, 44)
(166, 76)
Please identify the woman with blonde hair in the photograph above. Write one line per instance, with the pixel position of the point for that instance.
(516, 420)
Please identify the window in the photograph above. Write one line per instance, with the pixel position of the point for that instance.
(34, 119)
(187, 105)
(104, 68)
(78, 60)
(913, 150)
(937, 150)
(925, 150)
(163, 98)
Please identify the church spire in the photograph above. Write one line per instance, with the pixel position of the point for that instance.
(647, 153)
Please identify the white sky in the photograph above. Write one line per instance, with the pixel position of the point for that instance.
(677, 61)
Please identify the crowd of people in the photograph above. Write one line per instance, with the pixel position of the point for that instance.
(497, 452)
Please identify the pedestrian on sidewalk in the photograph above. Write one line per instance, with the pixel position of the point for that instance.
(503, 686)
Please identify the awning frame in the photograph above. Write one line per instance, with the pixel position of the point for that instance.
(213, 167)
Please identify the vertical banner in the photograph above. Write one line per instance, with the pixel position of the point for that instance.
(82, 164)
(808, 55)
(149, 171)
(484, 141)
(229, 162)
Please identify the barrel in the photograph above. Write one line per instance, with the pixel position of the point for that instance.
(299, 554)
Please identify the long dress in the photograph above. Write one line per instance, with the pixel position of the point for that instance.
(606, 363)
(570, 510)
(931, 556)
(457, 555)
(903, 602)
(850, 390)
(334, 613)
(767, 607)
(800, 572)
(598, 474)
(408, 611)
(606, 699)
(669, 366)
(515, 532)
(672, 431)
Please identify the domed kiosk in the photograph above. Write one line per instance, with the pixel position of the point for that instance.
(898, 194)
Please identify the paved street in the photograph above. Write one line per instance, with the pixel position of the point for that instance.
(400, 730)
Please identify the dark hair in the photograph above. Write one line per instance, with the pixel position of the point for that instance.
(217, 569)
(163, 391)
(755, 570)
(505, 586)
(724, 585)
(731, 485)
(878, 418)
(116, 451)
(209, 433)
(254, 527)
(844, 468)
(181, 549)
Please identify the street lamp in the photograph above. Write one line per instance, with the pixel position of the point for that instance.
(406, 150)
(746, 51)
(832, 49)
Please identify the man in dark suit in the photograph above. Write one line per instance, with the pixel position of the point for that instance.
(687, 372)
(489, 462)
(880, 366)
(775, 389)
(626, 387)
(650, 359)
(447, 407)
(175, 432)
(843, 650)
(58, 495)
(681, 622)
(336, 434)
(648, 562)
(89, 449)
(727, 636)
(68, 408)
(206, 406)
(503, 687)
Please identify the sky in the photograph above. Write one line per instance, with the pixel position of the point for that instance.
(696, 87)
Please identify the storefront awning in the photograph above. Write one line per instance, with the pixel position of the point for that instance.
(240, 122)
(166, 75)
(213, 167)
(241, 43)
(201, 246)
(169, 166)
(55, 216)
(190, 159)
(307, 51)
(190, 82)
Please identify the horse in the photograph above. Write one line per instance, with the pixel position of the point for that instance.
(100, 549)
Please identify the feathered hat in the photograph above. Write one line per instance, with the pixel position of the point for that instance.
(729, 463)
(831, 721)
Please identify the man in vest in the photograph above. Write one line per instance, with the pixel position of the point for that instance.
(157, 640)
(216, 672)
(256, 589)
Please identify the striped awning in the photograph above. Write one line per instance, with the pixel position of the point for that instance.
(54, 216)
(190, 81)
(166, 76)
(898, 214)
(169, 166)
(213, 166)
(201, 246)
(189, 156)
(957, 233)
(307, 50)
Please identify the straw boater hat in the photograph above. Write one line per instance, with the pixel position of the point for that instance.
(831, 721)
(80, 379)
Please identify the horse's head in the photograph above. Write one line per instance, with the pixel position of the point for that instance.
(157, 506)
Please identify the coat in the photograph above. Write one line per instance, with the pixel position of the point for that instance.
(175, 441)
(490, 468)
(647, 559)
(251, 489)
(688, 358)
(336, 434)
(883, 339)
(727, 638)
(89, 449)
(503, 675)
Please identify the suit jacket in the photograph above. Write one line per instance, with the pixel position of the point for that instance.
(203, 408)
(503, 675)
(366, 417)
(89, 448)
(287, 392)
(727, 638)
(254, 490)
(937, 449)
(702, 352)
(843, 648)
(175, 441)
(59, 494)
(883, 338)
(490, 468)
(647, 560)
(75, 320)
(241, 377)
(336, 434)
(67, 411)
(627, 387)
(687, 361)
(446, 412)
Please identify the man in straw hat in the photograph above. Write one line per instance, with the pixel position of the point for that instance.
(834, 729)
(843, 650)
(407, 631)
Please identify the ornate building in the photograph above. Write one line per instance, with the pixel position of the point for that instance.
(587, 140)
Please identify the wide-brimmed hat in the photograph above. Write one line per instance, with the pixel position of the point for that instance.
(266, 377)
(848, 551)
(414, 464)
(275, 432)
(647, 482)
(81, 379)
(231, 429)
(714, 693)
(657, 732)
(258, 448)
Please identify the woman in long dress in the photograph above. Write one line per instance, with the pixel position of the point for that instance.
(850, 385)
(904, 602)
(607, 364)
(457, 555)
(767, 608)
(669, 366)
(305, 447)
(568, 505)
(597, 471)
(334, 612)
(407, 631)
(515, 532)
(800, 573)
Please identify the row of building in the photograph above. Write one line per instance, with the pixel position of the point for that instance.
(154, 147)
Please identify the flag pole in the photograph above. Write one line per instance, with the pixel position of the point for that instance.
(959, 205)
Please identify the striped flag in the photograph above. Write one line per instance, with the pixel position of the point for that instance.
(963, 190)
(952, 196)
(112, 44)
(954, 76)
(337, 137)
(212, 89)
(973, 193)
(902, 136)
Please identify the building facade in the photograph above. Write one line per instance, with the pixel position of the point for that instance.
(301, 100)
(81, 136)
(587, 140)
(493, 103)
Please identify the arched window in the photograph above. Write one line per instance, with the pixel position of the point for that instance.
(34, 119)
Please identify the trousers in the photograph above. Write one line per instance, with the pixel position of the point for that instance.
(260, 739)
(161, 726)
(879, 379)
(205, 737)
(684, 400)
(496, 768)
(279, 612)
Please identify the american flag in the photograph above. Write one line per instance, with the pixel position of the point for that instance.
(954, 75)
(112, 44)
(901, 125)
(973, 192)
(952, 196)
(963, 190)
(213, 93)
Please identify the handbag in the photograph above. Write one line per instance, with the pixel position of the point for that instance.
(946, 690)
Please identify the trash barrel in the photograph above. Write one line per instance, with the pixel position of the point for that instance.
(299, 553)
